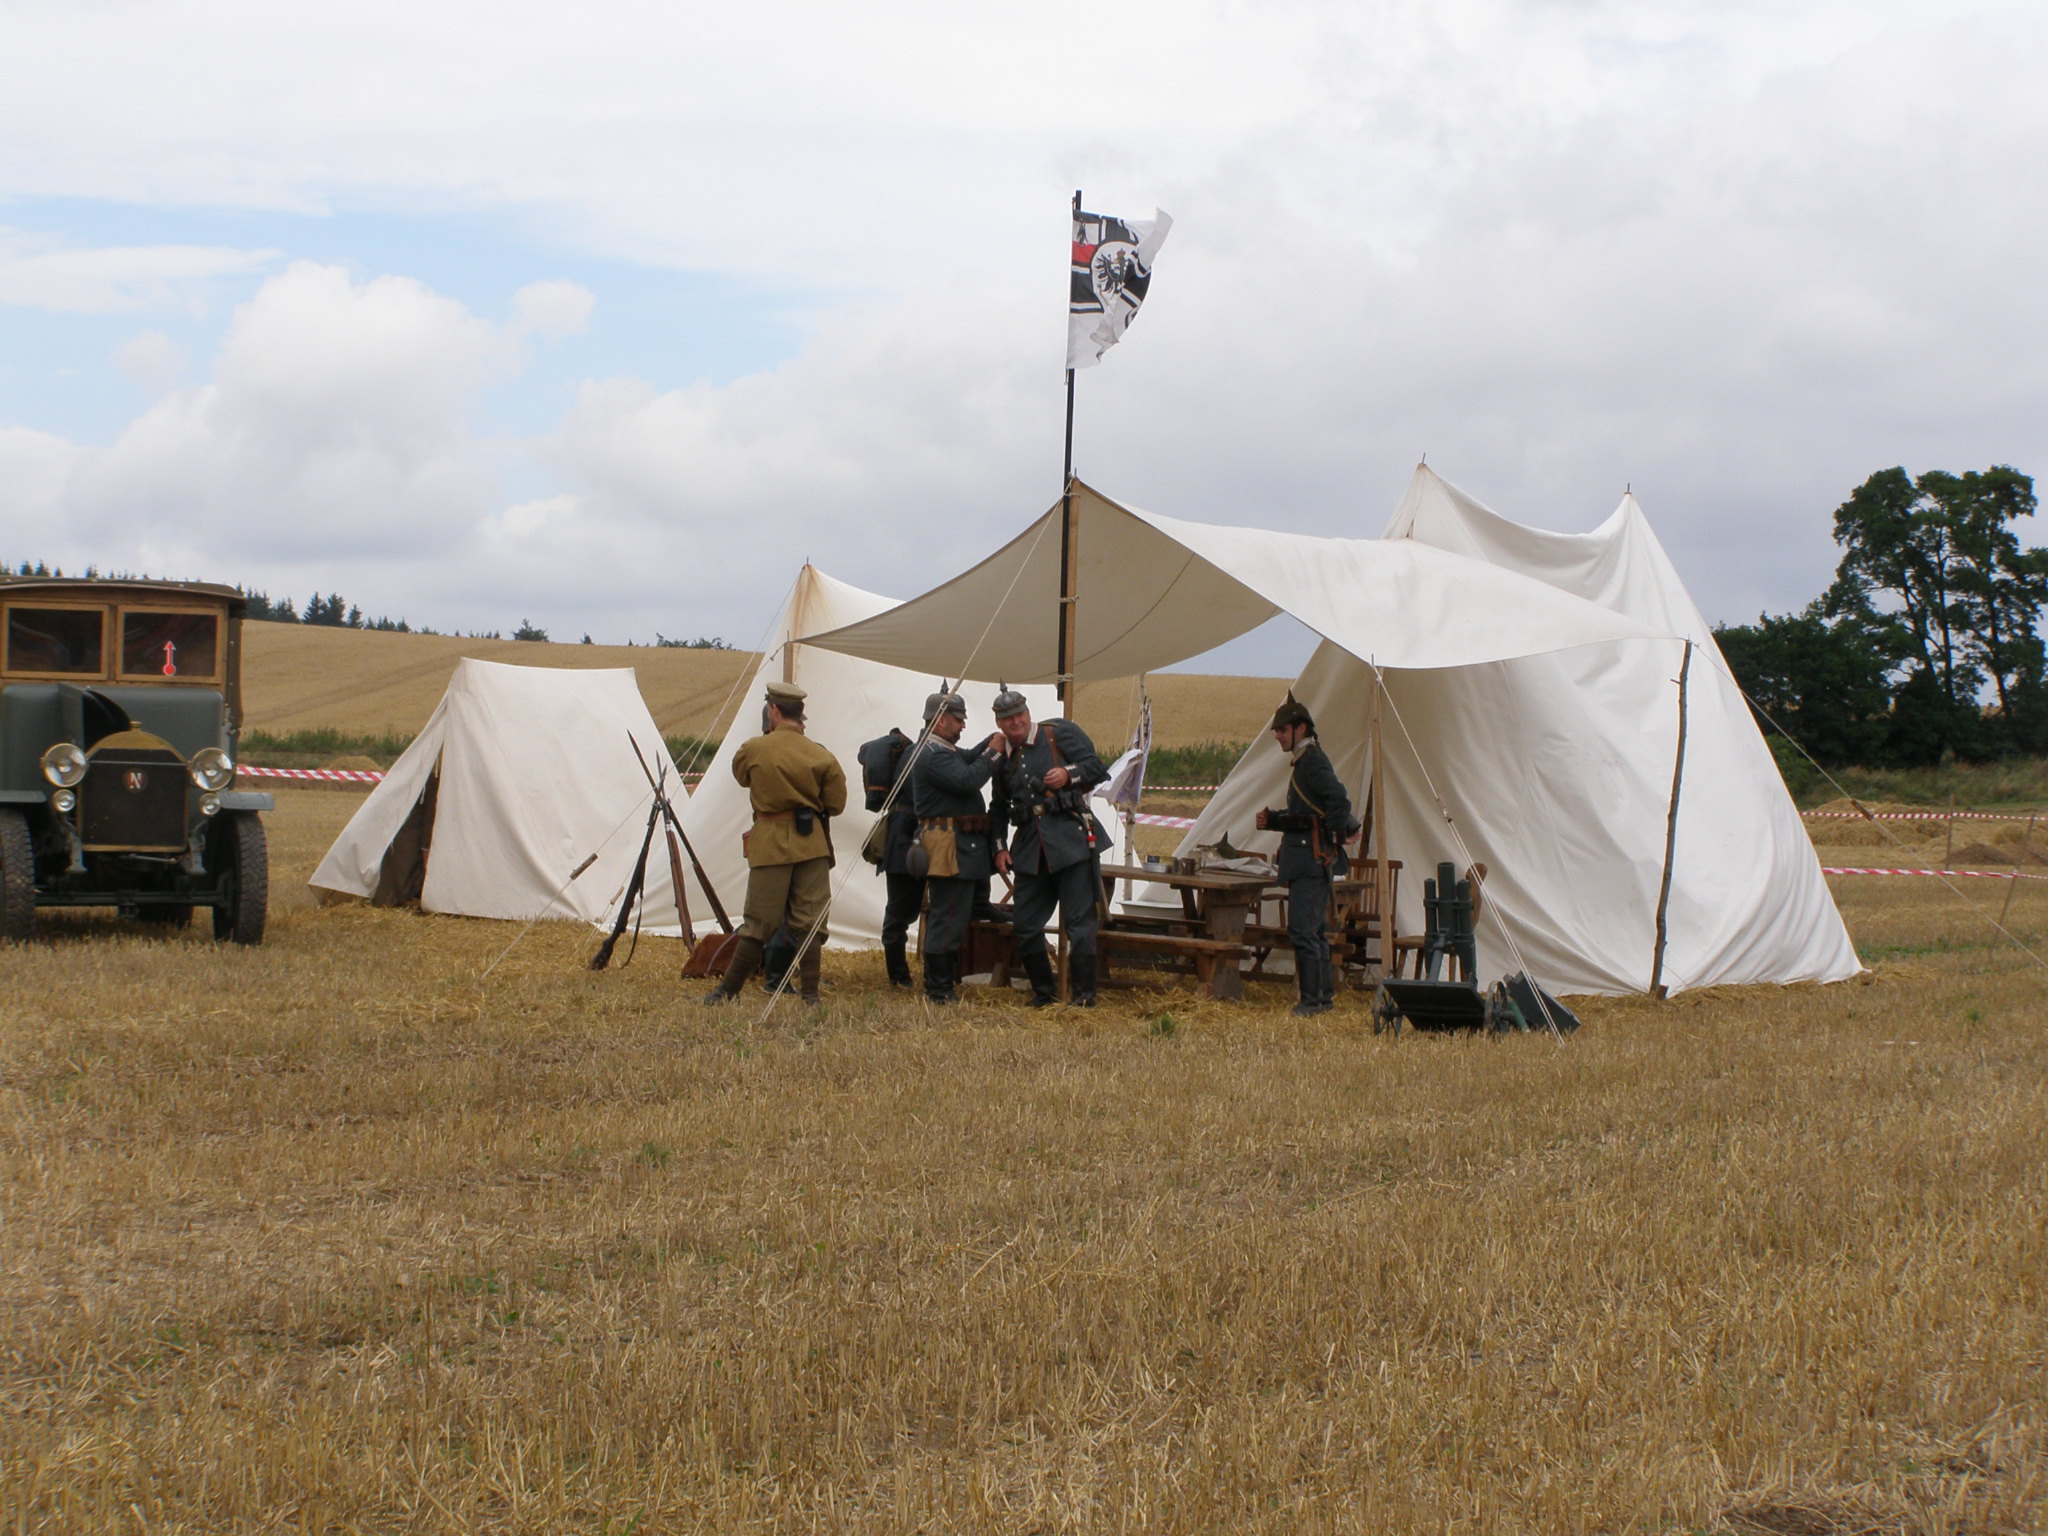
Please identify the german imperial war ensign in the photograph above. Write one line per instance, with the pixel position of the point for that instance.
(1112, 271)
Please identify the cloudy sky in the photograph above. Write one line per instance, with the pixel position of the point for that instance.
(609, 315)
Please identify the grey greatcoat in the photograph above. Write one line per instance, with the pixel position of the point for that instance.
(1316, 821)
(946, 783)
(1053, 830)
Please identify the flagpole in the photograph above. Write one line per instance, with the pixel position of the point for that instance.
(1068, 541)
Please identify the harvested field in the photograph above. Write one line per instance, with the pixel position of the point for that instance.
(331, 1236)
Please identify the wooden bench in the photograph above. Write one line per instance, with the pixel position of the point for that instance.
(1213, 961)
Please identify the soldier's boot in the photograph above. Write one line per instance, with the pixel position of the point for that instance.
(1308, 980)
(1081, 978)
(746, 959)
(1328, 977)
(939, 977)
(899, 965)
(1045, 986)
(807, 969)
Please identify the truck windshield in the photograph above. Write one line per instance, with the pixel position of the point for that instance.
(56, 640)
(156, 644)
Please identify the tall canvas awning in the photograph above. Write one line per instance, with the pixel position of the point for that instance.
(1156, 590)
(1530, 720)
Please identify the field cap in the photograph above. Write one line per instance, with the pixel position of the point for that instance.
(785, 693)
(1009, 702)
(1293, 712)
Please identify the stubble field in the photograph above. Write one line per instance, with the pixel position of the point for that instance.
(334, 1236)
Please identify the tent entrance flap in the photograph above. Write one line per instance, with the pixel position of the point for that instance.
(402, 873)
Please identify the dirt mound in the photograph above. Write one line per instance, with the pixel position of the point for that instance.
(354, 762)
(1995, 855)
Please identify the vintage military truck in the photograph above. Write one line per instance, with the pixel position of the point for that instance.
(120, 712)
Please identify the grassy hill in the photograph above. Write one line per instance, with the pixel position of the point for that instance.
(299, 677)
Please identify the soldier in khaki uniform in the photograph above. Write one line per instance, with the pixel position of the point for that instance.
(796, 786)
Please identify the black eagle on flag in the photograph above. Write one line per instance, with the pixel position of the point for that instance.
(1111, 274)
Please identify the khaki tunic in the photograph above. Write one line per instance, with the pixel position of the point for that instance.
(783, 770)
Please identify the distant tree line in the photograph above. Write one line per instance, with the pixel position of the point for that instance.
(1925, 645)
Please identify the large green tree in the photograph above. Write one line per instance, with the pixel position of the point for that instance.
(1934, 579)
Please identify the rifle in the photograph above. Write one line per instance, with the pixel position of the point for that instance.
(705, 958)
(629, 903)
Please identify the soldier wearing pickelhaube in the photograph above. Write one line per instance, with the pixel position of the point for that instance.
(1314, 826)
(796, 787)
(1055, 852)
(884, 769)
(955, 834)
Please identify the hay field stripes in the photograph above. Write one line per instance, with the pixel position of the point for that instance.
(327, 1237)
(369, 681)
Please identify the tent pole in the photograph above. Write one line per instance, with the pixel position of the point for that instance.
(1063, 671)
(1670, 833)
(1377, 831)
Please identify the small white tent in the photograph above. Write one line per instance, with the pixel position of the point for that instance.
(851, 700)
(519, 776)
(1530, 687)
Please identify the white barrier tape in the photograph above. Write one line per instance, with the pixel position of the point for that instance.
(1970, 874)
(1147, 819)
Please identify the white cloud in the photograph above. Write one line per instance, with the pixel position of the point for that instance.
(151, 360)
(36, 273)
(1737, 253)
(552, 309)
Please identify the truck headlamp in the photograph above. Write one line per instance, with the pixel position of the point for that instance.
(63, 801)
(64, 764)
(211, 768)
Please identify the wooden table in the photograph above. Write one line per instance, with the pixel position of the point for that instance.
(1216, 905)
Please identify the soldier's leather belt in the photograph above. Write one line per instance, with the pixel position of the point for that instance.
(954, 823)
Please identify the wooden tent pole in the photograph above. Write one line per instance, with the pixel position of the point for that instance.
(1376, 791)
(1670, 832)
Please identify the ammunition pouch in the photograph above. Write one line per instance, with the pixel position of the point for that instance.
(805, 819)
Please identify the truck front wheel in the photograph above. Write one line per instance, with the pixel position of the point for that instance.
(17, 878)
(242, 860)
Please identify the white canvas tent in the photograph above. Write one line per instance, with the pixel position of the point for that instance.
(520, 774)
(851, 700)
(1529, 687)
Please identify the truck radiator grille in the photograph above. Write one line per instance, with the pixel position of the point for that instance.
(134, 800)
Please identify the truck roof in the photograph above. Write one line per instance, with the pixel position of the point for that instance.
(133, 586)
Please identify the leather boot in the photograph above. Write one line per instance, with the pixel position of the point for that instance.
(1308, 985)
(1081, 978)
(939, 978)
(807, 969)
(746, 959)
(899, 965)
(1045, 985)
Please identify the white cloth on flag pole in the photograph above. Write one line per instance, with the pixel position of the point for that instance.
(1112, 270)
(1125, 785)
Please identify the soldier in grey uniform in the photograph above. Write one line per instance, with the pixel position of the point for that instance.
(1314, 826)
(884, 762)
(955, 835)
(1055, 853)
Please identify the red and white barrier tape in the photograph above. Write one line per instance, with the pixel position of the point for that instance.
(1917, 815)
(355, 775)
(1147, 819)
(1968, 874)
(329, 775)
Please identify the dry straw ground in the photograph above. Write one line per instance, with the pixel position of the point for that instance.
(329, 1236)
